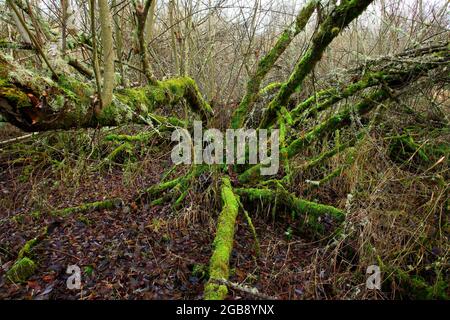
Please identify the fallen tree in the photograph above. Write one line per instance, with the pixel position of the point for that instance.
(34, 102)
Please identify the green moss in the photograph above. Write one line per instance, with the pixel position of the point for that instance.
(403, 148)
(18, 218)
(336, 122)
(83, 219)
(200, 271)
(124, 150)
(77, 98)
(313, 212)
(329, 97)
(251, 175)
(128, 104)
(36, 214)
(88, 270)
(270, 88)
(15, 96)
(223, 242)
(266, 63)
(214, 291)
(21, 270)
(341, 17)
(416, 287)
(158, 95)
(75, 89)
(100, 205)
(26, 249)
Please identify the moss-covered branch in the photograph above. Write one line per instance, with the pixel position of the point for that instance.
(223, 244)
(389, 73)
(398, 79)
(92, 206)
(335, 122)
(312, 163)
(266, 63)
(306, 109)
(310, 212)
(329, 29)
(173, 189)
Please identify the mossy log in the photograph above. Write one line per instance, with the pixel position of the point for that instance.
(310, 212)
(92, 206)
(329, 29)
(37, 103)
(223, 244)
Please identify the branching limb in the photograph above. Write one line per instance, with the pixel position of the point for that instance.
(329, 29)
(266, 63)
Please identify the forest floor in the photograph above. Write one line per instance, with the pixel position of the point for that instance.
(135, 252)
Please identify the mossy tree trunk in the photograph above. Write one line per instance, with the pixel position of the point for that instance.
(36, 103)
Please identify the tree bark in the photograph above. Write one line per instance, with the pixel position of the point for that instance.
(108, 52)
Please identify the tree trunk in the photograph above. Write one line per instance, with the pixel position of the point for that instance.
(108, 52)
